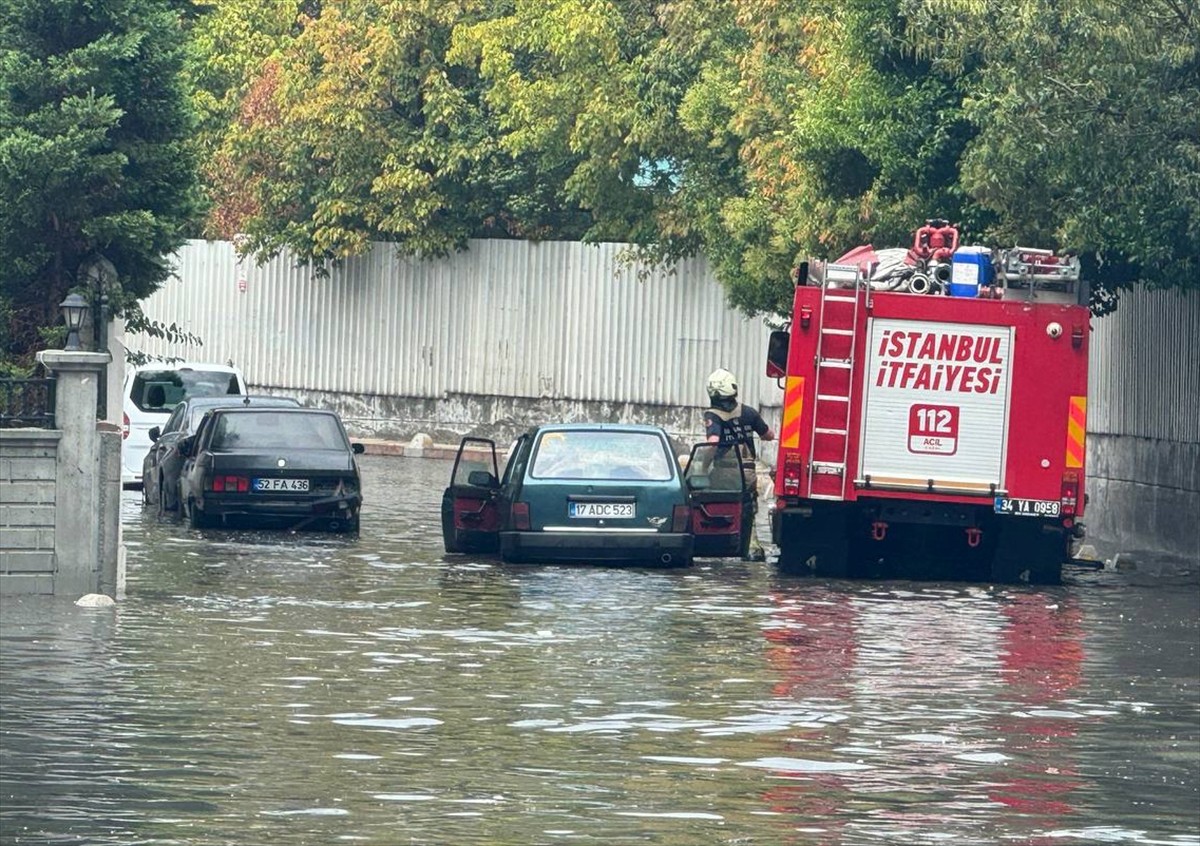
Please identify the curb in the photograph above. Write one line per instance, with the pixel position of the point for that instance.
(379, 446)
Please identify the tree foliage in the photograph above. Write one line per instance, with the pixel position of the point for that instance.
(95, 156)
(756, 131)
(355, 128)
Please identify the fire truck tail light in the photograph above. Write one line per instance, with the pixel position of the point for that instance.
(793, 466)
(1070, 493)
(520, 516)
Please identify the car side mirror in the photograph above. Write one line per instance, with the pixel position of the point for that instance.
(777, 354)
(154, 433)
(184, 447)
(481, 479)
(359, 449)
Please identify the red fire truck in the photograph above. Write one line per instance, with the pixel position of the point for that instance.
(934, 412)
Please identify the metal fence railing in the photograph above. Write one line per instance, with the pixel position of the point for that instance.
(27, 403)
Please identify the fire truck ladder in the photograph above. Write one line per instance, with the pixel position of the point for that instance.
(830, 436)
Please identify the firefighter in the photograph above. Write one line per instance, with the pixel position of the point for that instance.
(734, 424)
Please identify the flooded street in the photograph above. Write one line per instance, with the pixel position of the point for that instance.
(257, 688)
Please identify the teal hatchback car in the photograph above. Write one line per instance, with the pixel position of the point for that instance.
(592, 492)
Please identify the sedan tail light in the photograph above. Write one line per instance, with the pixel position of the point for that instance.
(230, 484)
(681, 516)
(520, 516)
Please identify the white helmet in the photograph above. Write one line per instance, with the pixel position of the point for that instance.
(722, 384)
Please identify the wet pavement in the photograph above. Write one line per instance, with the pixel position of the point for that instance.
(265, 688)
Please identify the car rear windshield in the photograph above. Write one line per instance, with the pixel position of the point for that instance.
(586, 454)
(162, 390)
(198, 410)
(275, 430)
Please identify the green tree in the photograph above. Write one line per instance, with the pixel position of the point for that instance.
(356, 129)
(1088, 119)
(95, 156)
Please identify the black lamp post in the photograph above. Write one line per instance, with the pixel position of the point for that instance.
(74, 307)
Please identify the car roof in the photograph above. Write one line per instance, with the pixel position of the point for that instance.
(282, 409)
(646, 428)
(239, 400)
(186, 365)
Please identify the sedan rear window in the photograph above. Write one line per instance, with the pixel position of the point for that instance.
(273, 430)
(584, 454)
(162, 390)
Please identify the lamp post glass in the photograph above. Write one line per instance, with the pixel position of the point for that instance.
(73, 308)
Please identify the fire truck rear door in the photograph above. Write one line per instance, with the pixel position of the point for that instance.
(935, 408)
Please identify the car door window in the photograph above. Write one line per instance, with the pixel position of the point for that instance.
(518, 453)
(175, 421)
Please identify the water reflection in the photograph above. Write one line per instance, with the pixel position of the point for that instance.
(262, 688)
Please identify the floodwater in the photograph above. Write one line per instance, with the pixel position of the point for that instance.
(257, 688)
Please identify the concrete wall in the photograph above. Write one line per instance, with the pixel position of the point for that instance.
(28, 487)
(60, 492)
(1145, 496)
(1143, 459)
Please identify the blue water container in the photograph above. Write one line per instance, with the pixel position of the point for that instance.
(970, 269)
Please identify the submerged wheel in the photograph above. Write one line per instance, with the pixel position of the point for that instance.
(196, 517)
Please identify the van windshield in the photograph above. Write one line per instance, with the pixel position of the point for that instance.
(162, 390)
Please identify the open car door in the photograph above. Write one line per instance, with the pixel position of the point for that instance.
(470, 508)
(720, 483)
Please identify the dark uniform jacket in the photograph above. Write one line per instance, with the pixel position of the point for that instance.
(737, 426)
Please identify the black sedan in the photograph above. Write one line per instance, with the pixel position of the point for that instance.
(292, 467)
(161, 466)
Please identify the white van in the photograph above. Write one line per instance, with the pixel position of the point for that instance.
(151, 391)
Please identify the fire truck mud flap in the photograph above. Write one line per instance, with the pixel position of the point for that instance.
(812, 541)
(1032, 552)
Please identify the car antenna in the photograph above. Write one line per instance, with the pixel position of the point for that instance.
(246, 400)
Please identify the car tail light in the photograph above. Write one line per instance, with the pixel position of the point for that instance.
(124, 425)
(681, 516)
(520, 515)
(1070, 493)
(793, 466)
(230, 484)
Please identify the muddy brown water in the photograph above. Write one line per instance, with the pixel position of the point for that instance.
(266, 688)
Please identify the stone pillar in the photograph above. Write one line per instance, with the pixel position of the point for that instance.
(116, 372)
(77, 518)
